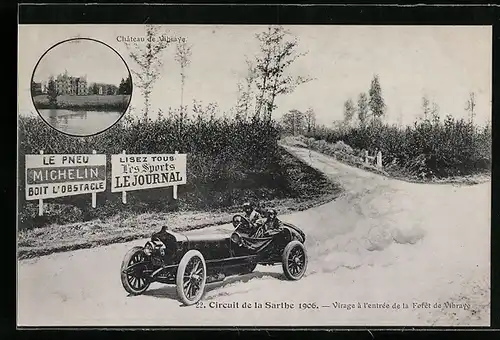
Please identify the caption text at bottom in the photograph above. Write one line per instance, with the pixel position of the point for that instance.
(333, 305)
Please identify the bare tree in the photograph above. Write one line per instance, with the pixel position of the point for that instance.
(148, 57)
(278, 51)
(435, 113)
(426, 107)
(245, 91)
(183, 57)
(471, 106)
(430, 110)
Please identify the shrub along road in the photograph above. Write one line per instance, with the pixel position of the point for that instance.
(382, 243)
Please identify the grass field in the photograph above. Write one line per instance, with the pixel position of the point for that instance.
(84, 102)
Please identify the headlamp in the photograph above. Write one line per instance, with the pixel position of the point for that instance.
(235, 238)
(148, 249)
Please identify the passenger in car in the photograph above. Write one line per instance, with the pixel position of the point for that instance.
(251, 213)
(272, 222)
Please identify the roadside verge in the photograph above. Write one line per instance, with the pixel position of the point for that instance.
(314, 187)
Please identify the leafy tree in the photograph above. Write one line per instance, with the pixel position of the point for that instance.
(349, 111)
(127, 87)
(278, 50)
(110, 90)
(294, 122)
(121, 89)
(310, 118)
(377, 104)
(94, 89)
(148, 58)
(52, 92)
(362, 108)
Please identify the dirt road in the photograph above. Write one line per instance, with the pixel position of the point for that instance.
(383, 243)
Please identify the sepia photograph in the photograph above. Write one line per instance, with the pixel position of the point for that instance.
(81, 87)
(260, 176)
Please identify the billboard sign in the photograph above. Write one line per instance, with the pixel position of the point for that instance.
(137, 172)
(51, 176)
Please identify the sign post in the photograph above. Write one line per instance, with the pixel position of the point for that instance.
(174, 194)
(94, 194)
(124, 193)
(40, 201)
(379, 159)
(57, 175)
(147, 171)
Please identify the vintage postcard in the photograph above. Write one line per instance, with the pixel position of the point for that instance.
(253, 175)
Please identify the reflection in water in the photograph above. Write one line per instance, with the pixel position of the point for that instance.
(80, 122)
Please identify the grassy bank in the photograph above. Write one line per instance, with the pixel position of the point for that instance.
(426, 151)
(90, 102)
(306, 187)
(228, 162)
(345, 154)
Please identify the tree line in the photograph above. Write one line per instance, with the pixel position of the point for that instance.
(431, 147)
(267, 72)
(125, 88)
(368, 107)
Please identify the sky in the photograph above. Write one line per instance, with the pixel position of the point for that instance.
(444, 63)
(82, 58)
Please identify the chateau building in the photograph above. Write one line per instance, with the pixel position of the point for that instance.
(68, 85)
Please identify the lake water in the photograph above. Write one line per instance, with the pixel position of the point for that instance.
(80, 123)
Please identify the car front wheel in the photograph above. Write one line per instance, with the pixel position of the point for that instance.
(191, 277)
(294, 260)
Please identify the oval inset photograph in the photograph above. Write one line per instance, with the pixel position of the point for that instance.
(81, 87)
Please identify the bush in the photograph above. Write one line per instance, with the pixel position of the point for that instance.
(226, 159)
(425, 150)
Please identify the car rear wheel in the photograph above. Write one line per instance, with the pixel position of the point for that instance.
(132, 272)
(191, 277)
(294, 260)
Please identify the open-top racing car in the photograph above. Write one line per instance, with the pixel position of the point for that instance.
(191, 261)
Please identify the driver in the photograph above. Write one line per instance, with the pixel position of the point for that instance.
(250, 213)
(272, 222)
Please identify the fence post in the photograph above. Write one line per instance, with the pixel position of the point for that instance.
(366, 157)
(124, 193)
(40, 201)
(379, 159)
(94, 195)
